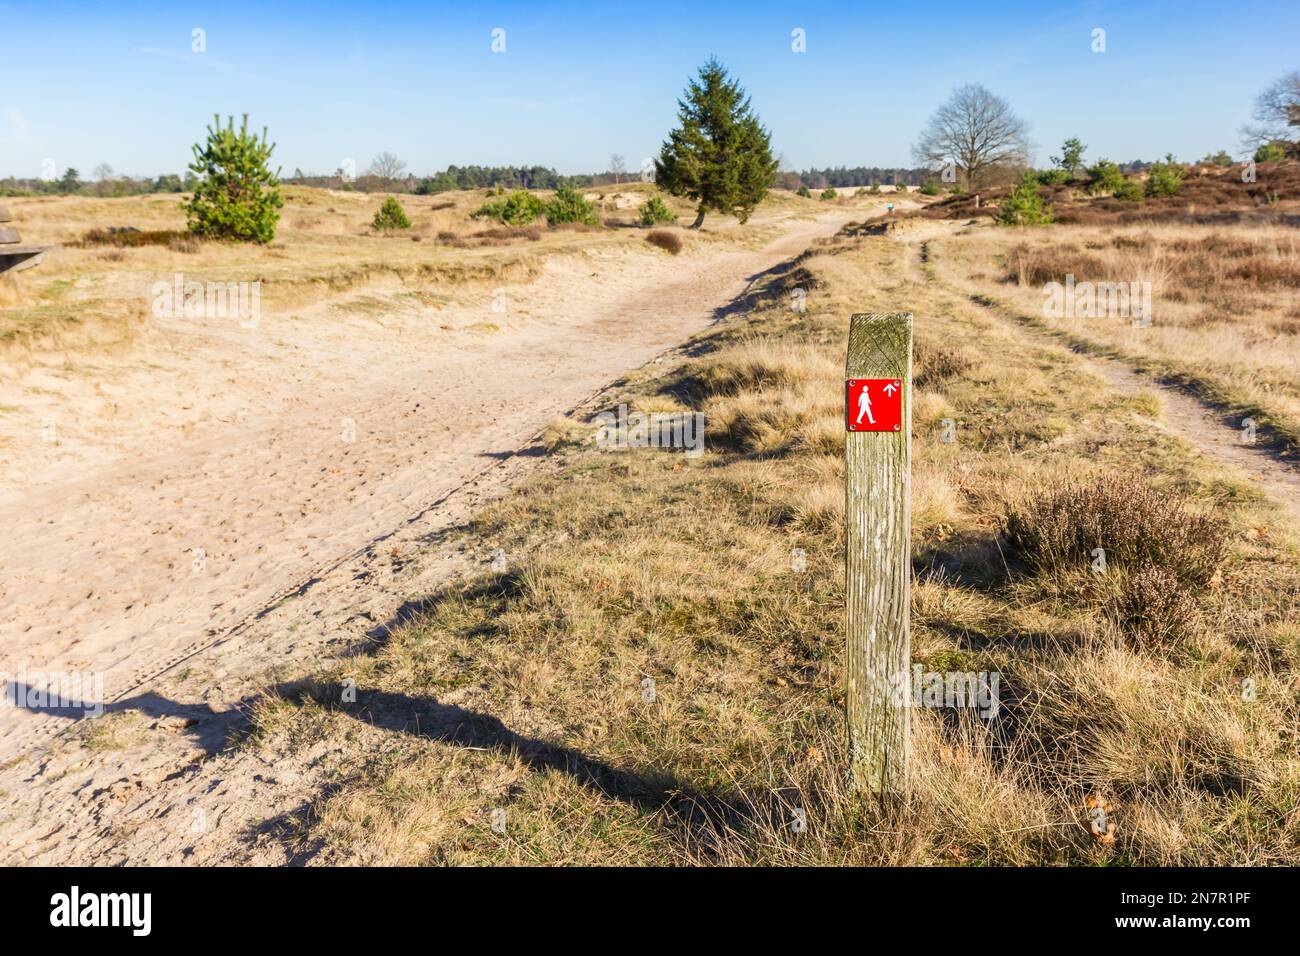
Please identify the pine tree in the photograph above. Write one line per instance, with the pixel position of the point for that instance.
(721, 155)
(1023, 206)
(237, 196)
(391, 215)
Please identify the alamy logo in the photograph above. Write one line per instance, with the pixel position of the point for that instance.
(182, 299)
(656, 430)
(958, 690)
(1098, 300)
(103, 909)
(54, 690)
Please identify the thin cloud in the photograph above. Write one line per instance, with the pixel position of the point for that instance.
(22, 132)
(195, 59)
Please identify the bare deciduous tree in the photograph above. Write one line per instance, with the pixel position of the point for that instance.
(1276, 113)
(617, 167)
(976, 132)
(387, 167)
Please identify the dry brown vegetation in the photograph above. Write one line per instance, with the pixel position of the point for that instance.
(665, 239)
(1137, 527)
(1225, 317)
(525, 691)
(1209, 196)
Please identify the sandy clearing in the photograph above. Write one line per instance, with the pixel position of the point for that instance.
(175, 530)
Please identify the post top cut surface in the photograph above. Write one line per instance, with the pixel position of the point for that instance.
(879, 345)
(4, 214)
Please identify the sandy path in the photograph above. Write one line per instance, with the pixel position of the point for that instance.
(131, 568)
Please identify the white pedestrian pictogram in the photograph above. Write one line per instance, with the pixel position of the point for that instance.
(864, 407)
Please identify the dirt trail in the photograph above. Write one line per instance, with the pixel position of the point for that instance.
(323, 551)
(185, 539)
(1184, 415)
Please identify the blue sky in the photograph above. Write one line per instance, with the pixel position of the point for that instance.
(118, 84)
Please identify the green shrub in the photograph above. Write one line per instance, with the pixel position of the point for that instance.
(391, 215)
(237, 196)
(875, 189)
(1273, 152)
(900, 187)
(929, 188)
(655, 212)
(1104, 177)
(1129, 189)
(1024, 207)
(518, 209)
(1165, 178)
(805, 192)
(862, 191)
(829, 194)
(1053, 177)
(569, 205)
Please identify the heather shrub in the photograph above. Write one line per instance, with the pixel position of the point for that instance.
(1153, 608)
(1137, 527)
(668, 241)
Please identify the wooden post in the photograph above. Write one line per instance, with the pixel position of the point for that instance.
(877, 519)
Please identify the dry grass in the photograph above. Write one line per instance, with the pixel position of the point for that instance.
(97, 285)
(1210, 196)
(656, 676)
(112, 251)
(1225, 303)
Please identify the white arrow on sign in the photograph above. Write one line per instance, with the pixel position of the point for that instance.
(890, 389)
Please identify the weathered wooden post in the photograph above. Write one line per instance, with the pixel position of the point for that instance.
(877, 519)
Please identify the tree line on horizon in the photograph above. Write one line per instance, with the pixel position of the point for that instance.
(719, 156)
(108, 185)
(478, 177)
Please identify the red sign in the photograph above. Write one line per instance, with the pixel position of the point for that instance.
(874, 405)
